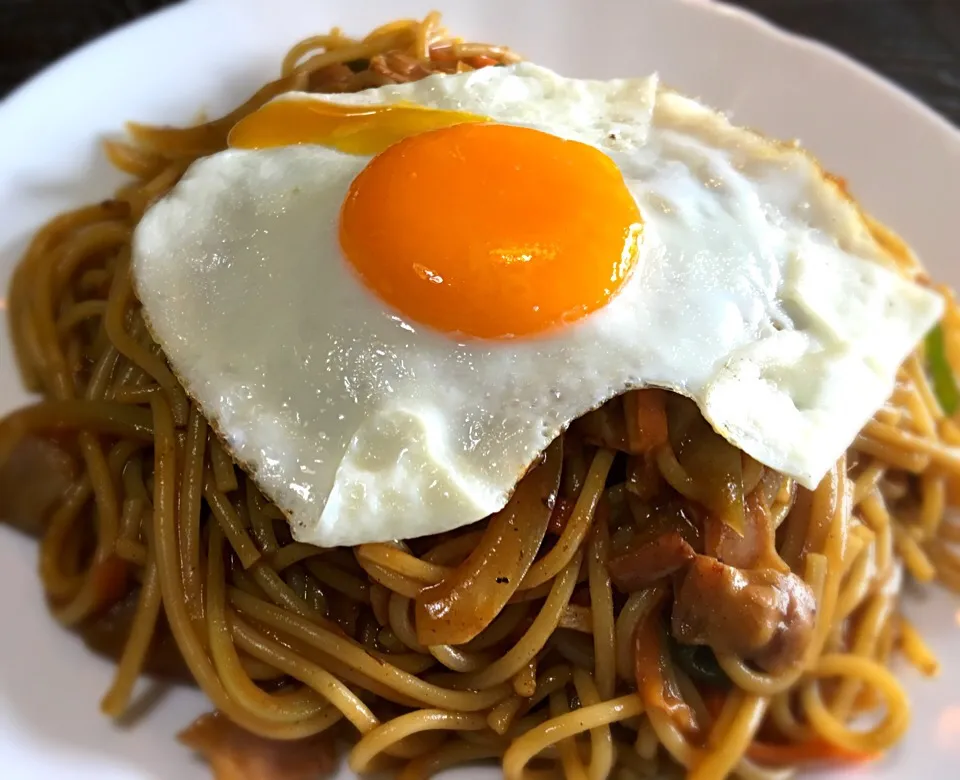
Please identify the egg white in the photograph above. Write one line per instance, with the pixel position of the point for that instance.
(760, 293)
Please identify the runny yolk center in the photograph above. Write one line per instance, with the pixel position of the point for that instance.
(491, 231)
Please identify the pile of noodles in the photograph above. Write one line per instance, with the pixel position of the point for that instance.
(163, 554)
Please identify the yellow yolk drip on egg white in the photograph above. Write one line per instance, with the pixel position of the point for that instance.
(389, 315)
(350, 129)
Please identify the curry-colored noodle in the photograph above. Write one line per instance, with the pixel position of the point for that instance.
(555, 654)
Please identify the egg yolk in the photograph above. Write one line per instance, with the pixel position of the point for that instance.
(350, 129)
(491, 231)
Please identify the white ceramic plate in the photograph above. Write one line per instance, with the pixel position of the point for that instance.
(902, 160)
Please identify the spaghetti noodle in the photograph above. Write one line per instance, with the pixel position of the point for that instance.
(163, 554)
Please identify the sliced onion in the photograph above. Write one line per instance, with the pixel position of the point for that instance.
(714, 465)
(771, 483)
(653, 670)
(465, 602)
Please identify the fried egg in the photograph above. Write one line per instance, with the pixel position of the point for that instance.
(388, 303)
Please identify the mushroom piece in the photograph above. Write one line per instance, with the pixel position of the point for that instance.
(762, 615)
